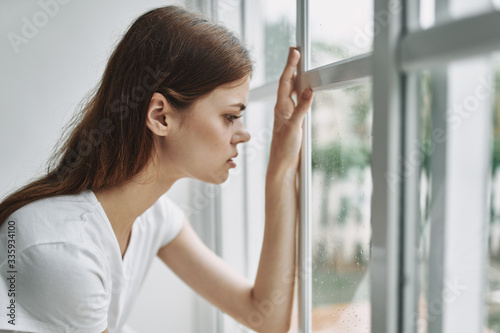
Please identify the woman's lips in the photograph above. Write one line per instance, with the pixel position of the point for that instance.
(231, 162)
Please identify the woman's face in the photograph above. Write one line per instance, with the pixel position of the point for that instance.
(204, 144)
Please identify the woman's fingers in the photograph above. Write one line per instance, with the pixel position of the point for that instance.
(285, 105)
(286, 111)
(303, 104)
(286, 85)
(288, 118)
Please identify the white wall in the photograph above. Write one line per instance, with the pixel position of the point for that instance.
(41, 84)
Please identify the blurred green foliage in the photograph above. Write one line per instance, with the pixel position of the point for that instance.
(336, 159)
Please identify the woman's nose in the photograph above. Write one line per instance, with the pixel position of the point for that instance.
(241, 136)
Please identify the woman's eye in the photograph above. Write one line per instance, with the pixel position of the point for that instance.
(232, 118)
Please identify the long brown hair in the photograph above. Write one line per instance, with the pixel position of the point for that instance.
(169, 50)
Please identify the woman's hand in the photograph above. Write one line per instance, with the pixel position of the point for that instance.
(288, 119)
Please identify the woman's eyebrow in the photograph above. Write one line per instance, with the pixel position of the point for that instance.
(239, 105)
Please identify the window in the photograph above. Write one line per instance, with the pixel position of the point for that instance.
(340, 225)
(339, 30)
(493, 282)
(399, 204)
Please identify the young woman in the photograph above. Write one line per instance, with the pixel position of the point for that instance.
(80, 239)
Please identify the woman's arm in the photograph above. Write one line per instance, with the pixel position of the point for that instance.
(276, 275)
(266, 305)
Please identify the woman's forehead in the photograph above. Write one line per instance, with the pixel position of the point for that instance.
(232, 94)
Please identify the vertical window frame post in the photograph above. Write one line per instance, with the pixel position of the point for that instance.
(304, 236)
(385, 264)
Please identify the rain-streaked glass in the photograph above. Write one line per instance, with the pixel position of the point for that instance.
(341, 201)
(341, 29)
(493, 268)
(425, 111)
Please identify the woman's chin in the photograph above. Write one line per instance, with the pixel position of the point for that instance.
(216, 178)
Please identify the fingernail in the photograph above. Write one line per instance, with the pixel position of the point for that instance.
(307, 93)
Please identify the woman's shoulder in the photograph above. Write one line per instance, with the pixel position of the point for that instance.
(71, 205)
(164, 220)
(49, 220)
(164, 215)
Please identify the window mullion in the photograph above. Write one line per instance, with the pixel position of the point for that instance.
(304, 257)
(348, 72)
(386, 153)
(411, 213)
(352, 71)
(435, 278)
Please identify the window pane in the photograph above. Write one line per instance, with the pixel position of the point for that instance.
(493, 285)
(425, 105)
(454, 153)
(466, 8)
(341, 199)
(340, 29)
(427, 13)
(431, 14)
(270, 31)
(229, 14)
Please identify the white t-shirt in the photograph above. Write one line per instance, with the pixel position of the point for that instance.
(68, 274)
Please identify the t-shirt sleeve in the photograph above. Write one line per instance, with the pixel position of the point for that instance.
(171, 217)
(60, 287)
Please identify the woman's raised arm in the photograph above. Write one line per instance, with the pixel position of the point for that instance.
(275, 279)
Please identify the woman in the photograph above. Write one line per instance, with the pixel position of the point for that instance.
(81, 238)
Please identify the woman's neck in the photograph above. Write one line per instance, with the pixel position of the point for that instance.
(124, 203)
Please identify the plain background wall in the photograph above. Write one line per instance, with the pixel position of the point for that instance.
(40, 87)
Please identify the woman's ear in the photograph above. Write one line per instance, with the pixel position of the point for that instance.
(159, 115)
